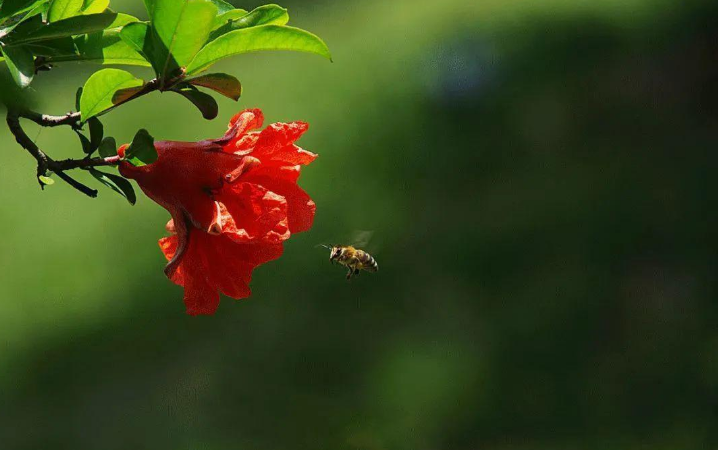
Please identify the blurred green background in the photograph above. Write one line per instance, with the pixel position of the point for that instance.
(541, 180)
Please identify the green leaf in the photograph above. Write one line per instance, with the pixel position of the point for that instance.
(13, 7)
(223, 83)
(225, 17)
(140, 37)
(116, 183)
(264, 15)
(25, 27)
(36, 8)
(95, 6)
(265, 37)
(204, 102)
(137, 35)
(142, 149)
(108, 147)
(53, 47)
(69, 27)
(222, 6)
(125, 94)
(21, 64)
(96, 132)
(78, 94)
(47, 181)
(107, 47)
(181, 28)
(62, 9)
(120, 21)
(86, 146)
(100, 92)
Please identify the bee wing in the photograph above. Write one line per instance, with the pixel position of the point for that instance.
(361, 238)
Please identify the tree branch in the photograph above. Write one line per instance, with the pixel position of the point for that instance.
(44, 120)
(13, 123)
(85, 163)
(44, 162)
(74, 120)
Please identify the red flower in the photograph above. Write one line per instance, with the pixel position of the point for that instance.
(233, 202)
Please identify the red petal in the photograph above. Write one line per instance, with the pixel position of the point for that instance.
(249, 119)
(276, 169)
(256, 212)
(200, 298)
(183, 177)
(215, 263)
(179, 226)
(300, 207)
(276, 143)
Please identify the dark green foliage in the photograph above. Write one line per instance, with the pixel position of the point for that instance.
(117, 184)
(142, 149)
(176, 39)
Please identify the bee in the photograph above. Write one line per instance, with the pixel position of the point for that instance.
(352, 258)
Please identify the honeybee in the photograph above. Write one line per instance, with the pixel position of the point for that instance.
(354, 259)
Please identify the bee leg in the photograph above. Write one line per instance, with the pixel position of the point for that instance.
(349, 274)
(356, 272)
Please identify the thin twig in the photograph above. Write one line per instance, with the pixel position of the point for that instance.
(13, 123)
(71, 118)
(85, 163)
(74, 120)
(45, 163)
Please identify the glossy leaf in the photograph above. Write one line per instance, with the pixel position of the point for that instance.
(108, 147)
(125, 94)
(223, 83)
(96, 132)
(142, 149)
(53, 47)
(263, 15)
(106, 47)
(225, 17)
(120, 21)
(21, 64)
(25, 27)
(100, 91)
(86, 146)
(265, 37)
(14, 7)
(36, 8)
(136, 35)
(95, 6)
(222, 6)
(140, 37)
(78, 94)
(62, 9)
(117, 184)
(69, 27)
(180, 29)
(47, 181)
(204, 102)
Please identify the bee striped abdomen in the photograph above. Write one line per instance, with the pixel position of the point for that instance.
(367, 261)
